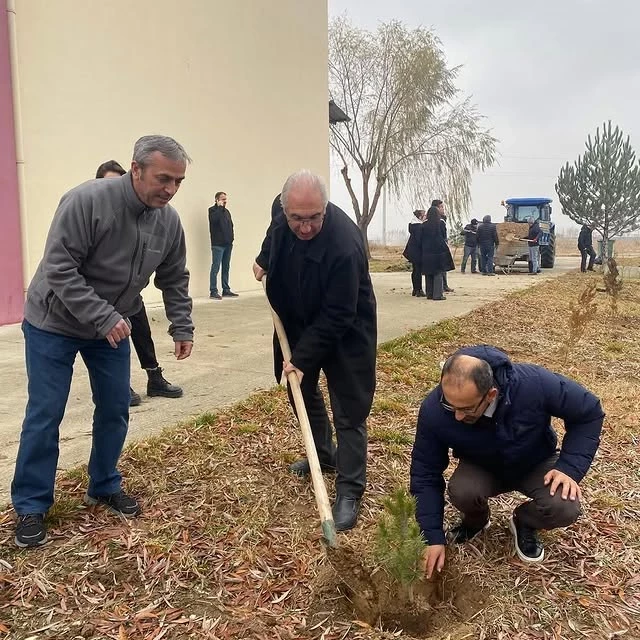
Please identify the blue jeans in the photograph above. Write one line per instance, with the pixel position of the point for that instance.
(49, 360)
(534, 259)
(486, 260)
(221, 255)
(469, 252)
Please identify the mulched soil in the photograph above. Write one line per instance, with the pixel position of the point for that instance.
(229, 543)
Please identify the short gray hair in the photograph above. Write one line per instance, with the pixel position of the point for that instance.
(308, 179)
(487, 218)
(146, 146)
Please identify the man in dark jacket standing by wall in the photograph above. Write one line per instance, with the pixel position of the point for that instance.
(585, 245)
(487, 237)
(318, 283)
(106, 239)
(221, 232)
(496, 416)
(470, 246)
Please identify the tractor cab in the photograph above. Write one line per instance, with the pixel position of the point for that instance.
(521, 209)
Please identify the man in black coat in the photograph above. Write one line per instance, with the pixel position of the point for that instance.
(413, 252)
(470, 246)
(585, 245)
(487, 237)
(439, 205)
(221, 232)
(318, 283)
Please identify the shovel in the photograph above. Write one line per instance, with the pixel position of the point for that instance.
(510, 237)
(319, 488)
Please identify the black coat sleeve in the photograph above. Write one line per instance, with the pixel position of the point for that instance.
(212, 224)
(338, 314)
(429, 459)
(583, 417)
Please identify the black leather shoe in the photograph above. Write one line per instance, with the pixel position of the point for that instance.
(345, 512)
(421, 294)
(134, 398)
(157, 385)
(301, 468)
(528, 546)
(463, 532)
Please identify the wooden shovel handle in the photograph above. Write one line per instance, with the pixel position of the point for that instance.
(319, 488)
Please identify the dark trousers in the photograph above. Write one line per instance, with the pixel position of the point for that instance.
(416, 276)
(49, 359)
(221, 256)
(471, 486)
(591, 254)
(486, 257)
(142, 340)
(469, 252)
(435, 285)
(350, 455)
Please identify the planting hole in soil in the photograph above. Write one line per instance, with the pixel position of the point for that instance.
(355, 591)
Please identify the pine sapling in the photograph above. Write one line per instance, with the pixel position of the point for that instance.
(399, 543)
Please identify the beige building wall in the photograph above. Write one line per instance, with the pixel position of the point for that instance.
(242, 84)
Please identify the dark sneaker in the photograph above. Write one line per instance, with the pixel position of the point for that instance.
(463, 533)
(159, 386)
(421, 294)
(134, 398)
(230, 294)
(301, 468)
(345, 512)
(30, 530)
(215, 296)
(448, 290)
(119, 503)
(528, 546)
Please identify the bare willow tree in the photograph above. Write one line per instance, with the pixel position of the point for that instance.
(409, 129)
(602, 188)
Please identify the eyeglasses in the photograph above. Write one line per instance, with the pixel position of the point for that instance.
(466, 412)
(315, 219)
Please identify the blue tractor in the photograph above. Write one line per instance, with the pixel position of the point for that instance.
(521, 209)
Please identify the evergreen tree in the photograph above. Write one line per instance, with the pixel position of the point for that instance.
(399, 543)
(602, 188)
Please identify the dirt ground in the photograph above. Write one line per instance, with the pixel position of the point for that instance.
(231, 358)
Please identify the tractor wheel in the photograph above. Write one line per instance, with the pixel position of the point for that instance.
(548, 254)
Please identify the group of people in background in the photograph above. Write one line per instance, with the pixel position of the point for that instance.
(428, 252)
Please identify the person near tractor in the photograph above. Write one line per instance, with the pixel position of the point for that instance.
(496, 417)
(439, 205)
(470, 246)
(533, 236)
(106, 240)
(585, 246)
(436, 256)
(157, 385)
(413, 252)
(488, 241)
(318, 283)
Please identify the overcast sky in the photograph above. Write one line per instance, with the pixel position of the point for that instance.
(545, 74)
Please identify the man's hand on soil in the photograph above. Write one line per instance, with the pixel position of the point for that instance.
(433, 559)
(288, 368)
(183, 349)
(570, 488)
(119, 332)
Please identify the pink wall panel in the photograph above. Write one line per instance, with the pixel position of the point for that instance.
(11, 279)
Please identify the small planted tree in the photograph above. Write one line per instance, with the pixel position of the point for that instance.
(399, 543)
(602, 188)
(582, 312)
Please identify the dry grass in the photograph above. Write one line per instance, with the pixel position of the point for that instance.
(228, 545)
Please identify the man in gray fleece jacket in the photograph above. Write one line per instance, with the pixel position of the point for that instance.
(106, 240)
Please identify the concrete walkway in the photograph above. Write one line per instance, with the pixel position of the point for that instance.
(231, 358)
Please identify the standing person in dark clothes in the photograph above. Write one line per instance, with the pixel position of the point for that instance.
(470, 246)
(318, 283)
(439, 205)
(436, 257)
(141, 329)
(534, 247)
(413, 252)
(221, 232)
(487, 237)
(496, 417)
(585, 245)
